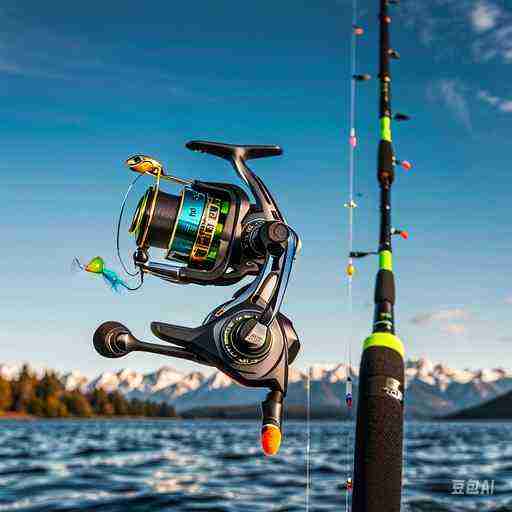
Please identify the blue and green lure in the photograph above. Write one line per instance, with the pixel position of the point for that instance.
(97, 266)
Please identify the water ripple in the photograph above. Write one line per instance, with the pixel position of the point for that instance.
(140, 466)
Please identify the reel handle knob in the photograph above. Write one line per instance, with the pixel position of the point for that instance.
(112, 339)
(272, 416)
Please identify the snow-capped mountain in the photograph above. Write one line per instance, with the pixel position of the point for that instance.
(9, 371)
(123, 381)
(185, 385)
(218, 390)
(129, 381)
(433, 389)
(75, 380)
(161, 379)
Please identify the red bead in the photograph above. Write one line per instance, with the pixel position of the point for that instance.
(406, 165)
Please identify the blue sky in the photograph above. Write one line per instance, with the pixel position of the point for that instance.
(85, 85)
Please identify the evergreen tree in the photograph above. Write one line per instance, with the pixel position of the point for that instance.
(100, 403)
(136, 407)
(48, 397)
(49, 386)
(119, 403)
(6, 398)
(24, 389)
(78, 405)
(36, 406)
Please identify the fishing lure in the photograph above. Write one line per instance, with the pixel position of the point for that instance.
(111, 278)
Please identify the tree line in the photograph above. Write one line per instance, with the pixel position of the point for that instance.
(48, 397)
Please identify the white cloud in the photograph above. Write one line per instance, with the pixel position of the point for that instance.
(452, 93)
(487, 97)
(484, 16)
(450, 321)
(454, 329)
(480, 28)
(505, 105)
(443, 315)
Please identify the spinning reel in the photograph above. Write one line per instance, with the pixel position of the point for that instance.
(217, 237)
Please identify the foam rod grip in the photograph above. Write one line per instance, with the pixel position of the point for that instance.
(379, 432)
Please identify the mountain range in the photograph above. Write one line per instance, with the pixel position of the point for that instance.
(499, 408)
(432, 390)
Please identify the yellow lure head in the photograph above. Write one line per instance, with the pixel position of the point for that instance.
(350, 270)
(144, 164)
(96, 265)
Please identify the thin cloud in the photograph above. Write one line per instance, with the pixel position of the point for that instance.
(506, 106)
(502, 104)
(443, 315)
(488, 98)
(32, 50)
(492, 25)
(452, 94)
(455, 329)
(484, 16)
(482, 28)
(449, 321)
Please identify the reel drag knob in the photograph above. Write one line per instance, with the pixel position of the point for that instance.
(252, 335)
(245, 340)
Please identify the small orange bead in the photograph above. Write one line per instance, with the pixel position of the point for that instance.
(270, 439)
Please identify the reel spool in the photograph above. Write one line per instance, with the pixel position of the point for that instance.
(209, 228)
(218, 236)
(188, 227)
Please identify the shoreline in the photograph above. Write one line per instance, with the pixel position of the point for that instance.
(28, 417)
(13, 416)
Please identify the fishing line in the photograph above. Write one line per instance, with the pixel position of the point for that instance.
(356, 31)
(308, 439)
(118, 229)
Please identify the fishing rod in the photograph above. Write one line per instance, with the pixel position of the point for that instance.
(377, 477)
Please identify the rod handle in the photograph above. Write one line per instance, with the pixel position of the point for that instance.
(379, 432)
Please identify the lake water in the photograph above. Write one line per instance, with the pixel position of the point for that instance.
(216, 466)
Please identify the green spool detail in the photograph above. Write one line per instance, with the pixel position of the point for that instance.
(385, 128)
(224, 209)
(386, 260)
(213, 253)
(384, 339)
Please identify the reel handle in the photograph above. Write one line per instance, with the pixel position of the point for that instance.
(114, 340)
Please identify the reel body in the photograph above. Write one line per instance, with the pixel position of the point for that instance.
(218, 236)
